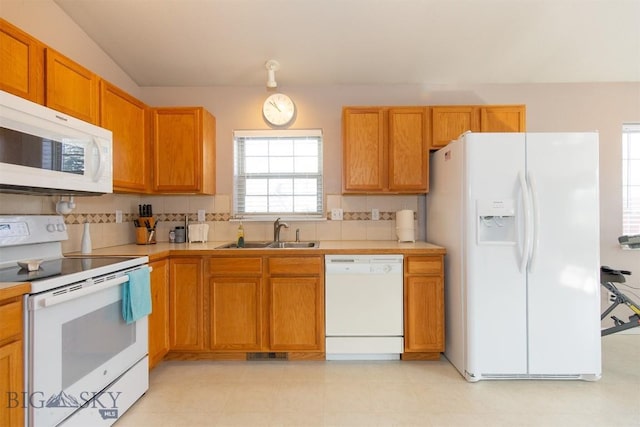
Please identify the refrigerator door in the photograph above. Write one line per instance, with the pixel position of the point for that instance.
(495, 283)
(563, 280)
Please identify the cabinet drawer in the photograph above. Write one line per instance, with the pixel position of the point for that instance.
(295, 266)
(242, 266)
(11, 315)
(424, 265)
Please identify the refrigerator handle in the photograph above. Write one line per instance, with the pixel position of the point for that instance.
(527, 221)
(536, 221)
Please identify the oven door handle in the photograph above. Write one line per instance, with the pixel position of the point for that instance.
(58, 299)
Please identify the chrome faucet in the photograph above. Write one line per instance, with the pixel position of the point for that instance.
(277, 225)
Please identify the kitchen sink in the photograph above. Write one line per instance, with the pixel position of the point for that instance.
(294, 245)
(272, 245)
(247, 245)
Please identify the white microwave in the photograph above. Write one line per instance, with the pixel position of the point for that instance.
(43, 151)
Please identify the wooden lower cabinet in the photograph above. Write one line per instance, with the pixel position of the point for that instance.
(275, 304)
(234, 312)
(186, 304)
(159, 317)
(423, 307)
(296, 304)
(11, 362)
(280, 309)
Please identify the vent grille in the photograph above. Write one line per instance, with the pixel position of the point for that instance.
(267, 356)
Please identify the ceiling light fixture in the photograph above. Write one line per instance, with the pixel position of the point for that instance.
(272, 66)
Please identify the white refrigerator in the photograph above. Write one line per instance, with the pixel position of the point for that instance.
(519, 216)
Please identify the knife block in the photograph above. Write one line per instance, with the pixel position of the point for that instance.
(144, 235)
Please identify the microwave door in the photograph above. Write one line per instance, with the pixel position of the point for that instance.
(43, 151)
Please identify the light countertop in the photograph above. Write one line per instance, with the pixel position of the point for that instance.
(164, 249)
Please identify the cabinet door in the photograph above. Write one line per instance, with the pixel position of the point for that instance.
(159, 317)
(11, 384)
(408, 149)
(71, 88)
(424, 314)
(126, 117)
(364, 150)
(503, 118)
(183, 150)
(21, 63)
(235, 313)
(448, 123)
(186, 302)
(296, 314)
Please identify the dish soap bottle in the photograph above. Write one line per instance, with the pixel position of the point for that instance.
(240, 242)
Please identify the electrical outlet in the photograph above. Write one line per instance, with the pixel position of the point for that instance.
(336, 214)
(201, 215)
(118, 216)
(375, 214)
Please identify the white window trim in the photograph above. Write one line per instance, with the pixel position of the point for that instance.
(248, 217)
(626, 129)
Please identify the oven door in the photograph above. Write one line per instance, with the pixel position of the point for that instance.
(77, 346)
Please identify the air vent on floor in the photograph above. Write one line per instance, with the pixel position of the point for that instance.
(267, 356)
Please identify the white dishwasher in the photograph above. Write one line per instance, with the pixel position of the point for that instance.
(364, 307)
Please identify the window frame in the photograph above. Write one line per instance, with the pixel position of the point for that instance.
(630, 203)
(240, 175)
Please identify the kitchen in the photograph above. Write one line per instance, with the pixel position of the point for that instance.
(550, 107)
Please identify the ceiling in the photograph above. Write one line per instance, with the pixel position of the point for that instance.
(318, 42)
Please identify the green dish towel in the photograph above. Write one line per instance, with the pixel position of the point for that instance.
(136, 295)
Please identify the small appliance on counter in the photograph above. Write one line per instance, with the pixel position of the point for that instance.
(198, 233)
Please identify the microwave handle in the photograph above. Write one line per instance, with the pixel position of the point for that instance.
(101, 160)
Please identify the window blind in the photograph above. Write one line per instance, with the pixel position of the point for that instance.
(278, 172)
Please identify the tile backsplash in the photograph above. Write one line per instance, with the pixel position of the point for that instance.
(170, 211)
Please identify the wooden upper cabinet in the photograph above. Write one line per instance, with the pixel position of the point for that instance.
(448, 123)
(364, 147)
(21, 63)
(127, 118)
(408, 149)
(385, 149)
(71, 88)
(183, 150)
(502, 118)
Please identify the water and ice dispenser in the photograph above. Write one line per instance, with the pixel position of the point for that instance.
(496, 221)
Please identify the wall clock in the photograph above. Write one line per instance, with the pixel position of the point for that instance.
(278, 109)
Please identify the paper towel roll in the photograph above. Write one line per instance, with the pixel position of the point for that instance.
(405, 226)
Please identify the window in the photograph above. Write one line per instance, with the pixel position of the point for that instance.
(278, 172)
(631, 178)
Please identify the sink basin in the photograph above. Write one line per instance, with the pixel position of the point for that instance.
(247, 245)
(294, 245)
(272, 245)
